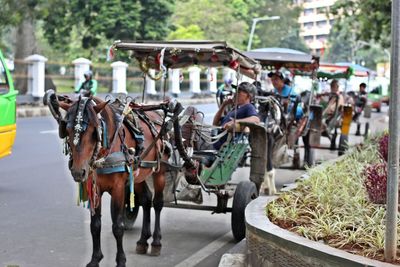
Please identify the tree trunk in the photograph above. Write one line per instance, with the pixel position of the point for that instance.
(25, 46)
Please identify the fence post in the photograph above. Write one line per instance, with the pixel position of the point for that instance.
(36, 75)
(194, 80)
(212, 79)
(81, 65)
(119, 77)
(151, 84)
(174, 83)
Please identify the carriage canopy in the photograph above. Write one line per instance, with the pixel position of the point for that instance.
(180, 54)
(276, 58)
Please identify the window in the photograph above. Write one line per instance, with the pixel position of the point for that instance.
(308, 11)
(322, 23)
(308, 38)
(3, 80)
(308, 25)
(322, 37)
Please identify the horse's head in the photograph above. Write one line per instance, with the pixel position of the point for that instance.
(82, 130)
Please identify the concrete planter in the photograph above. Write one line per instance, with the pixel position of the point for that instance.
(271, 246)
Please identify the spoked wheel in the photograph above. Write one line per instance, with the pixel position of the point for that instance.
(130, 215)
(245, 192)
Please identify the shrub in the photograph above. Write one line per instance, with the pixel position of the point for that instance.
(383, 146)
(375, 182)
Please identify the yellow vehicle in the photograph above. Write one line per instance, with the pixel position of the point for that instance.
(8, 96)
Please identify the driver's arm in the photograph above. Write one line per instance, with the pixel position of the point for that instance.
(79, 87)
(218, 115)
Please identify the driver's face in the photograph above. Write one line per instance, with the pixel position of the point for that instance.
(243, 97)
(277, 82)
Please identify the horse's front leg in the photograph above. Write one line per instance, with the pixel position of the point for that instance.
(158, 204)
(268, 185)
(117, 209)
(144, 197)
(95, 229)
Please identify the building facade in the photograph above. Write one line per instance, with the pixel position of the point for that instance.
(315, 23)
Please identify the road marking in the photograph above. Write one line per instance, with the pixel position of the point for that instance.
(49, 132)
(206, 251)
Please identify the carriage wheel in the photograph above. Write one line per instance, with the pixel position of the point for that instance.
(245, 192)
(130, 216)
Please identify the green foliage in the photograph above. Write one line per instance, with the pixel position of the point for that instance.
(96, 24)
(356, 36)
(214, 18)
(367, 19)
(278, 33)
(190, 32)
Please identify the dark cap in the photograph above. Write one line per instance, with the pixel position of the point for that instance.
(277, 74)
(248, 88)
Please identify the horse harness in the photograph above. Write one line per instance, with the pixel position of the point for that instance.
(119, 161)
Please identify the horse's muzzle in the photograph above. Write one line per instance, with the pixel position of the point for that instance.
(79, 175)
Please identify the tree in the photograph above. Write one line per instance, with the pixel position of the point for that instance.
(100, 22)
(215, 19)
(372, 17)
(22, 15)
(354, 38)
(278, 33)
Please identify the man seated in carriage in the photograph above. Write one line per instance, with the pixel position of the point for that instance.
(333, 108)
(243, 110)
(287, 94)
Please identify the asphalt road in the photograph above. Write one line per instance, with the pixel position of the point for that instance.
(42, 226)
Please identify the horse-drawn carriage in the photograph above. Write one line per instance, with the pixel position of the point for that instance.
(115, 146)
(307, 125)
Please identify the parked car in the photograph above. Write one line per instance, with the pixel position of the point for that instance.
(375, 98)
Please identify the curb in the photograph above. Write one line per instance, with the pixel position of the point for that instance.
(26, 111)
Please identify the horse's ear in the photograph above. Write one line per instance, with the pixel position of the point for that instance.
(99, 107)
(64, 105)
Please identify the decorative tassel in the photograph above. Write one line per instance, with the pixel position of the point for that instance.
(110, 53)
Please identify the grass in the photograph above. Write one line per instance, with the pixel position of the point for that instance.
(332, 206)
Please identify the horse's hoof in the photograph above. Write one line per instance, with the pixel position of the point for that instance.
(141, 248)
(92, 264)
(155, 250)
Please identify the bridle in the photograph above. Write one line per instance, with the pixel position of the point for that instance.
(79, 123)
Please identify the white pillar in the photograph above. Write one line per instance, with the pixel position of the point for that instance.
(36, 75)
(174, 84)
(81, 66)
(119, 77)
(229, 74)
(212, 79)
(151, 84)
(194, 80)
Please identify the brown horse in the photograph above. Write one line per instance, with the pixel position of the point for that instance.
(102, 150)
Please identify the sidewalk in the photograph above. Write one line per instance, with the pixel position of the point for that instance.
(29, 107)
